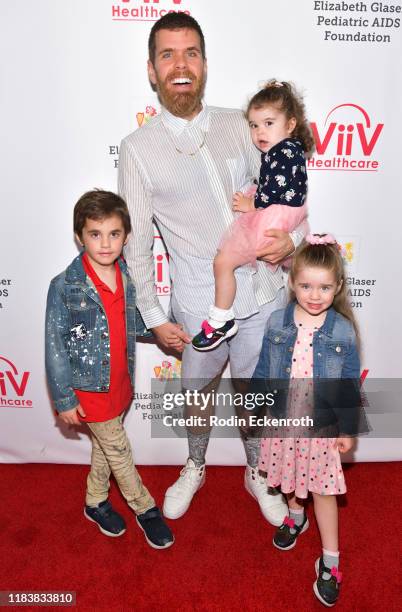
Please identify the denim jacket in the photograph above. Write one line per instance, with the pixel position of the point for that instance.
(77, 335)
(336, 368)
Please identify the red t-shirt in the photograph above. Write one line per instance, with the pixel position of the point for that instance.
(103, 406)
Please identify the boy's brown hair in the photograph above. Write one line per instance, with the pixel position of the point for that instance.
(97, 205)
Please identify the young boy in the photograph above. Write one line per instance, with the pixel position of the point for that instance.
(91, 325)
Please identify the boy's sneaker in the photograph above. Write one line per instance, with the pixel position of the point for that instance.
(286, 535)
(109, 522)
(209, 337)
(327, 591)
(157, 533)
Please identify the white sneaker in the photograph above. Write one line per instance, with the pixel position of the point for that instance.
(273, 507)
(178, 497)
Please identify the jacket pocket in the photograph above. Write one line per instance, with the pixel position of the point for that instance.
(335, 357)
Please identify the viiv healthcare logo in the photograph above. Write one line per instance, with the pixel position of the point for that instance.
(13, 385)
(167, 370)
(145, 10)
(161, 259)
(346, 140)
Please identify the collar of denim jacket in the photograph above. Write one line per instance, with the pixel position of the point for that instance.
(326, 328)
(75, 272)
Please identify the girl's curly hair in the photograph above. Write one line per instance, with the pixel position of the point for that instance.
(284, 96)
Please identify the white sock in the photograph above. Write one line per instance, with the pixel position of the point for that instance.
(331, 559)
(219, 316)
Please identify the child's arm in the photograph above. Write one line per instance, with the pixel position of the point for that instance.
(350, 398)
(58, 369)
(344, 444)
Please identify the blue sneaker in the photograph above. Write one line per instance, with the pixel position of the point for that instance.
(209, 337)
(157, 533)
(109, 522)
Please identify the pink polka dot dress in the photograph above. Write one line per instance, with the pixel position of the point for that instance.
(302, 464)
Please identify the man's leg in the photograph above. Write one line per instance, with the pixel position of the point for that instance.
(201, 372)
(244, 351)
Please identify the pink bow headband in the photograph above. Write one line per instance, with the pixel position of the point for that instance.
(320, 239)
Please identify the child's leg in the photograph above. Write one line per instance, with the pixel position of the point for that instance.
(221, 324)
(225, 281)
(293, 525)
(296, 510)
(326, 513)
(326, 587)
(98, 478)
(225, 264)
(116, 447)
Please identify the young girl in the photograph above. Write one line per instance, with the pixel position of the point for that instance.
(313, 339)
(280, 131)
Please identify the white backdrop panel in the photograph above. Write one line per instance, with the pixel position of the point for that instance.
(75, 83)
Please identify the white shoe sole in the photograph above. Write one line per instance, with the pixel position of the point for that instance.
(106, 533)
(315, 587)
(272, 521)
(306, 526)
(168, 545)
(230, 333)
(176, 515)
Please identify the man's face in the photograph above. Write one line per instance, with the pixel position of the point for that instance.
(178, 71)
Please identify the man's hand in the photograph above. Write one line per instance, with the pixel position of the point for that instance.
(171, 336)
(242, 203)
(280, 248)
(70, 417)
(344, 444)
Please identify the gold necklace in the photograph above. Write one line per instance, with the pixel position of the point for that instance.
(192, 153)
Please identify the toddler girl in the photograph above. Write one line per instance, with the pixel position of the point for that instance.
(314, 339)
(280, 131)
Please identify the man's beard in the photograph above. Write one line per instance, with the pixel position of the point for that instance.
(181, 104)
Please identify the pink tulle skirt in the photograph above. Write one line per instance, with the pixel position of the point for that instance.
(246, 236)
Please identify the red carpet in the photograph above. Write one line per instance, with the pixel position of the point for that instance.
(222, 558)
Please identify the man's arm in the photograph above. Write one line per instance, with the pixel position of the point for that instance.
(136, 191)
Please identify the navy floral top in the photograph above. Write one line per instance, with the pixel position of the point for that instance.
(283, 176)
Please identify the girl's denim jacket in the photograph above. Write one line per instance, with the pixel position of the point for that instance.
(77, 335)
(336, 369)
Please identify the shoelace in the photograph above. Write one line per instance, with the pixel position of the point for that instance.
(191, 471)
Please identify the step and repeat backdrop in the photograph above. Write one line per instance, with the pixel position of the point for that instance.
(74, 83)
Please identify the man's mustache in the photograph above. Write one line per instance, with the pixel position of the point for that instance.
(181, 75)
